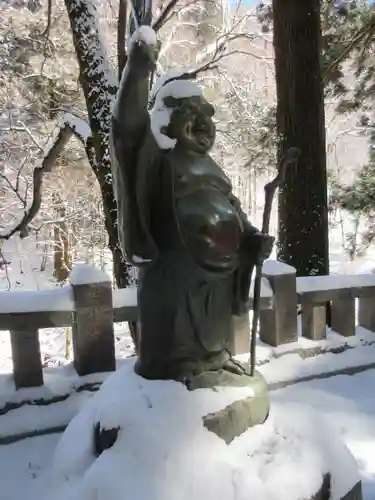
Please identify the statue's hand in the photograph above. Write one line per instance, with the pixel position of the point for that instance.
(142, 54)
(256, 246)
(264, 244)
(149, 53)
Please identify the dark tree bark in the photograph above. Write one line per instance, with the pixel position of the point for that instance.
(303, 215)
(99, 84)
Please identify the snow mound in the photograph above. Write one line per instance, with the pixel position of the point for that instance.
(163, 451)
(160, 115)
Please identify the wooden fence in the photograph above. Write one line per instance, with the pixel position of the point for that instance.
(91, 307)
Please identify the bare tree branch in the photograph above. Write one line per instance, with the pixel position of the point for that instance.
(46, 34)
(162, 19)
(29, 133)
(70, 125)
(21, 127)
(14, 189)
(18, 179)
(121, 35)
(4, 265)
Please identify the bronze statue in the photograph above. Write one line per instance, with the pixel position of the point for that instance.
(180, 224)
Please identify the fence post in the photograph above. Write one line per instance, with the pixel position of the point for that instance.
(343, 315)
(27, 363)
(366, 313)
(93, 336)
(279, 324)
(313, 320)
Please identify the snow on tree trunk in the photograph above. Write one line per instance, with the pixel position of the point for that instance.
(99, 85)
(303, 215)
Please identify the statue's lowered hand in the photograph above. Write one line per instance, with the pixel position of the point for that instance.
(264, 244)
(257, 246)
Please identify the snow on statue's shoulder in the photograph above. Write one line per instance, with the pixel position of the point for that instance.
(173, 74)
(179, 89)
(144, 34)
(161, 114)
(163, 79)
(84, 274)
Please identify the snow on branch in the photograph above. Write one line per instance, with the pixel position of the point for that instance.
(81, 129)
(69, 125)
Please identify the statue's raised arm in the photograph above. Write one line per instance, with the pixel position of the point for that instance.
(130, 125)
(130, 115)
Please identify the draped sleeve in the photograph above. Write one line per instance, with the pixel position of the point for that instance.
(130, 139)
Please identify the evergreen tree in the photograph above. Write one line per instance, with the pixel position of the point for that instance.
(348, 48)
(303, 214)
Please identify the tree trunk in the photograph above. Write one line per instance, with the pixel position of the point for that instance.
(303, 214)
(99, 84)
(61, 247)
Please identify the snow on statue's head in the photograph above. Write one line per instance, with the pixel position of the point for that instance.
(181, 117)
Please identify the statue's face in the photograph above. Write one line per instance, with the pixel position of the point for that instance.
(191, 124)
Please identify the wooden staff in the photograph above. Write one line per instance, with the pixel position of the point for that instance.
(291, 156)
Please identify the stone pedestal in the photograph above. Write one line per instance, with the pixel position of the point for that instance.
(235, 419)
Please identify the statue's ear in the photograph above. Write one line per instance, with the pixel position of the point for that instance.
(208, 109)
(171, 102)
(166, 131)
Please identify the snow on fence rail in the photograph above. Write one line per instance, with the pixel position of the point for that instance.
(91, 307)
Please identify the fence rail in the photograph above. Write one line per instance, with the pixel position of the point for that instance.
(91, 307)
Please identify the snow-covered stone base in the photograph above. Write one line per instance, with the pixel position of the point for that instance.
(163, 451)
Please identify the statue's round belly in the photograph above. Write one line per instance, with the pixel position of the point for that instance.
(210, 228)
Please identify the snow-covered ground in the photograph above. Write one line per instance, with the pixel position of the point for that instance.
(347, 403)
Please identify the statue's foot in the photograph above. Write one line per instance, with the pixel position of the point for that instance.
(233, 366)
